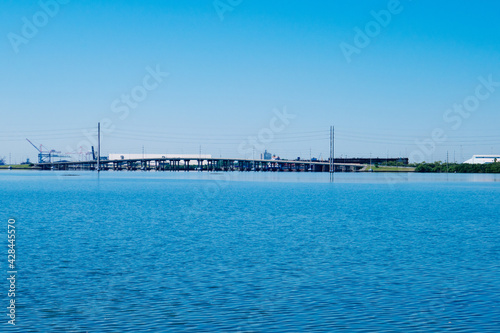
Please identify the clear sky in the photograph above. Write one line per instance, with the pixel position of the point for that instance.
(386, 74)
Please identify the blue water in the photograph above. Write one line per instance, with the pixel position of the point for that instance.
(252, 252)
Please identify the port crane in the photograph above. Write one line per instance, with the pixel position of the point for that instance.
(47, 155)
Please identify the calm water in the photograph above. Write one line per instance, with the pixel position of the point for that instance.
(252, 252)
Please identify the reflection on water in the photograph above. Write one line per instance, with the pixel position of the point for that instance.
(299, 177)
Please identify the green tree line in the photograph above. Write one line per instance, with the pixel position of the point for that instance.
(458, 168)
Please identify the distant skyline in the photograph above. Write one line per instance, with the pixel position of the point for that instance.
(233, 78)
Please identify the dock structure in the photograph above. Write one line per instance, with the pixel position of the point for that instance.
(203, 164)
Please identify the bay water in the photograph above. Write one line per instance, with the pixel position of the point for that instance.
(252, 252)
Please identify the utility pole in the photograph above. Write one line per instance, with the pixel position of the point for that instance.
(332, 150)
(447, 169)
(98, 147)
(253, 159)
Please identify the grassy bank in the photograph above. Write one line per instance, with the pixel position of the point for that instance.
(393, 169)
(384, 168)
(17, 166)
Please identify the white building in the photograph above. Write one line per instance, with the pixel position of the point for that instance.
(158, 156)
(483, 159)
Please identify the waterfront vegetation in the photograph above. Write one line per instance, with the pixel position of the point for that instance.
(435, 167)
(440, 167)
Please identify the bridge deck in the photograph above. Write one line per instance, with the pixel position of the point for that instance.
(200, 164)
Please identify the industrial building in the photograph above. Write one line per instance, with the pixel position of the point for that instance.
(266, 156)
(483, 159)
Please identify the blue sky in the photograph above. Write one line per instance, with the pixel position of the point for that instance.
(229, 72)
